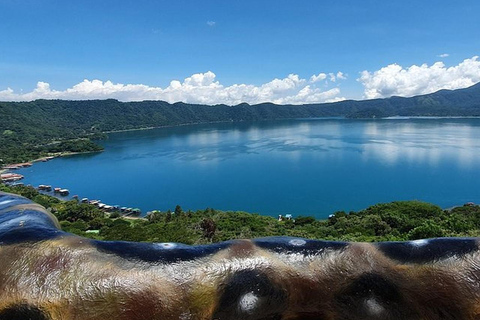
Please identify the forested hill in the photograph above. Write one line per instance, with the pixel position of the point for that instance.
(27, 127)
(443, 103)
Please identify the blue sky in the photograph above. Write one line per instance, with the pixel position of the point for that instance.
(245, 43)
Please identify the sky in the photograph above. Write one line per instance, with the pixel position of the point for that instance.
(219, 51)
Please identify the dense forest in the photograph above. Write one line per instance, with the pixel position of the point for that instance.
(30, 130)
(404, 220)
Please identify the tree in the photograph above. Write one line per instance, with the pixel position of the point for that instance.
(178, 210)
(208, 227)
(427, 229)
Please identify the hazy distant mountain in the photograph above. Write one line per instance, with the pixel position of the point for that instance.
(460, 102)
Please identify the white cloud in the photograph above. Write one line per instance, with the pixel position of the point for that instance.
(200, 88)
(332, 77)
(341, 76)
(318, 77)
(211, 23)
(443, 55)
(414, 80)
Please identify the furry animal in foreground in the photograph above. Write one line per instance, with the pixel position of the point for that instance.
(46, 273)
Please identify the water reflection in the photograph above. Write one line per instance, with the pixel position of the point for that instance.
(385, 141)
(420, 142)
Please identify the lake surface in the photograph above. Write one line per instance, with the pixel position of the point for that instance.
(304, 167)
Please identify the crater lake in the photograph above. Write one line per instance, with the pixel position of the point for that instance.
(303, 167)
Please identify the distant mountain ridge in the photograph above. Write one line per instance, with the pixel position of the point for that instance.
(443, 103)
(29, 124)
(100, 114)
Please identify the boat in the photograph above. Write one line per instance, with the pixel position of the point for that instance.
(64, 192)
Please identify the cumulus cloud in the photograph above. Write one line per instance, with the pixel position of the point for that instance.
(318, 77)
(394, 80)
(211, 23)
(443, 55)
(202, 88)
(332, 77)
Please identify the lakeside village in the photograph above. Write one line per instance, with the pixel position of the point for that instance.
(13, 179)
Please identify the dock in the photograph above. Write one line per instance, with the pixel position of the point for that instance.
(57, 191)
(11, 177)
(18, 166)
(44, 187)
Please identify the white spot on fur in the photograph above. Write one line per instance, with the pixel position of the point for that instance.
(374, 307)
(248, 302)
(167, 245)
(419, 243)
(297, 242)
(5, 202)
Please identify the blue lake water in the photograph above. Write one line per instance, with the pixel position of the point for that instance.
(304, 167)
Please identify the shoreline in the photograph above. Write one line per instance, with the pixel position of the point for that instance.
(49, 158)
(279, 119)
(179, 125)
(67, 154)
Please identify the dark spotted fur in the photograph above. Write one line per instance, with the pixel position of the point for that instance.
(47, 274)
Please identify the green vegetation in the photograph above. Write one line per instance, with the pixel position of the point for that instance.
(405, 220)
(14, 150)
(29, 130)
